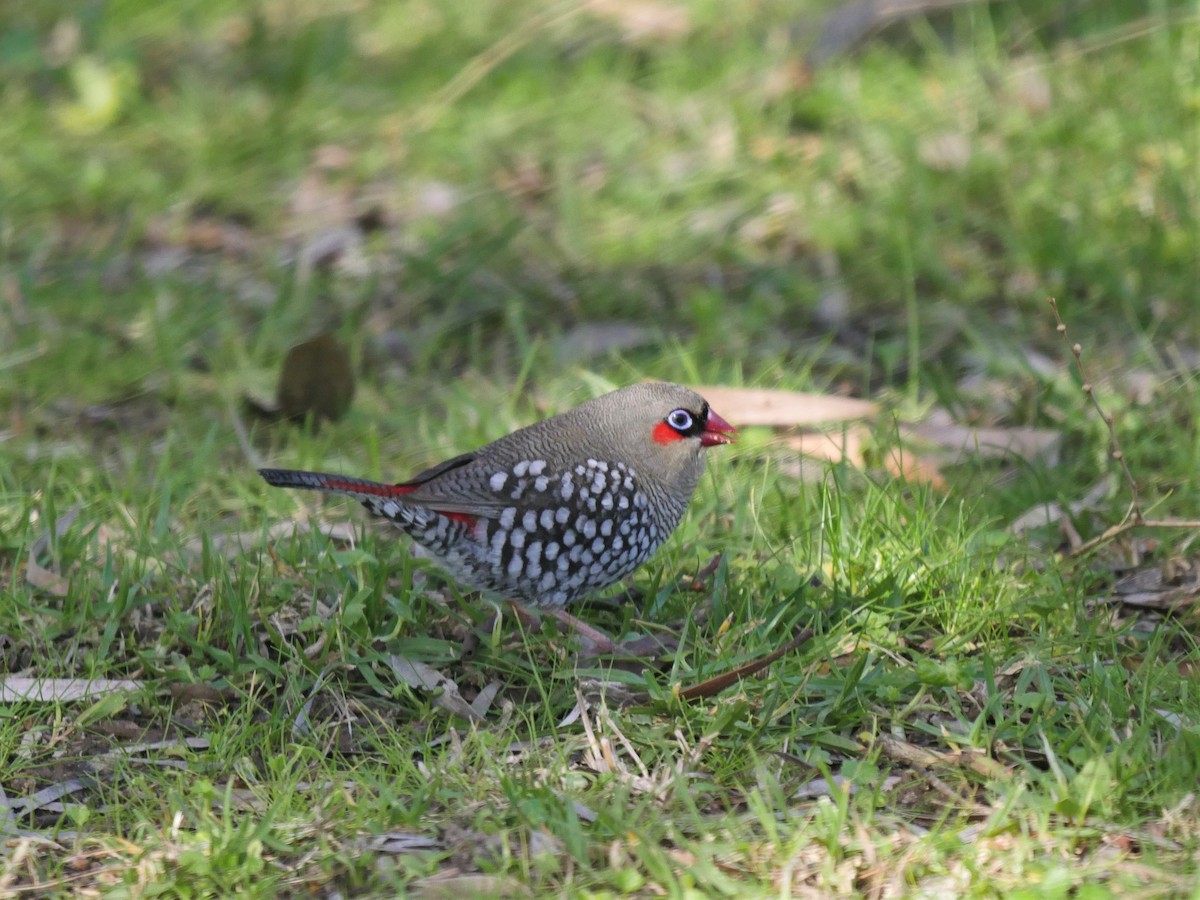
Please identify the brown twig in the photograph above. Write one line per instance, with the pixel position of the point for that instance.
(718, 683)
(1133, 517)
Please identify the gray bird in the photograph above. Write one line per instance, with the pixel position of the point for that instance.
(557, 510)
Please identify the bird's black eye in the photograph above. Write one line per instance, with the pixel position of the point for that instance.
(681, 420)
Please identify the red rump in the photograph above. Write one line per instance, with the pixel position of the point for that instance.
(665, 434)
(393, 490)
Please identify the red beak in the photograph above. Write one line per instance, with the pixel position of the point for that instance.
(717, 431)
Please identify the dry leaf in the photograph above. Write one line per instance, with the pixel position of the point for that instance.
(316, 378)
(762, 406)
(424, 677)
(915, 468)
(1051, 513)
(644, 21)
(395, 842)
(61, 690)
(1167, 585)
(1033, 90)
(316, 204)
(949, 151)
(43, 579)
(845, 446)
(450, 885)
(963, 441)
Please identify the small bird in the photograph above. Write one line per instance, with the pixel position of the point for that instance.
(559, 509)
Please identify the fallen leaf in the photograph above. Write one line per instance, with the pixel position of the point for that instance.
(61, 690)
(316, 378)
(1032, 89)
(959, 442)
(1051, 513)
(1166, 585)
(47, 796)
(949, 151)
(762, 406)
(420, 676)
(644, 21)
(914, 468)
(844, 446)
(395, 842)
(38, 576)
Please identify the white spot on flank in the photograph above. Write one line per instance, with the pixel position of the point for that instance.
(497, 482)
(547, 582)
(562, 514)
(551, 550)
(589, 529)
(537, 467)
(529, 520)
(567, 488)
(623, 502)
(507, 518)
(568, 538)
(517, 537)
(606, 527)
(597, 464)
(547, 519)
(521, 468)
(606, 501)
(515, 565)
(541, 483)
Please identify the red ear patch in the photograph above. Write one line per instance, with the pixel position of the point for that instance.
(665, 434)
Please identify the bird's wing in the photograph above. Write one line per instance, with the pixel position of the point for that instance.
(482, 485)
(453, 487)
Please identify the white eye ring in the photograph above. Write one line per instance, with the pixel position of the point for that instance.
(680, 419)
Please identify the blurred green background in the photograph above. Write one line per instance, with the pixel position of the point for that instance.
(740, 178)
(497, 208)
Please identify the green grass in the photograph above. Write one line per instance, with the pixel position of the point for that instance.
(973, 715)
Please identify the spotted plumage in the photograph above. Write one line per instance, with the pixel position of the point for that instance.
(564, 507)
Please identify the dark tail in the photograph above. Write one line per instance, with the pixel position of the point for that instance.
(358, 488)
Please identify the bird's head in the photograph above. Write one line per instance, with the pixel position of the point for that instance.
(664, 430)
